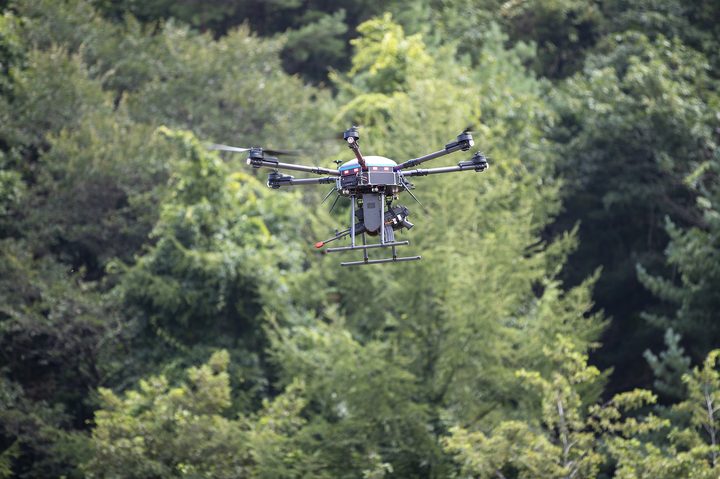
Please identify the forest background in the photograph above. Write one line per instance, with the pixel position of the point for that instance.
(164, 314)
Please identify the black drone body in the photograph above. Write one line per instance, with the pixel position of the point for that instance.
(371, 183)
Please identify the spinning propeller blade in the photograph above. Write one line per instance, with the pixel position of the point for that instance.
(283, 152)
(216, 146)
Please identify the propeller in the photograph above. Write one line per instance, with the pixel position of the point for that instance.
(216, 146)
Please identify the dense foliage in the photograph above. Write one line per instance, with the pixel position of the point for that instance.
(163, 313)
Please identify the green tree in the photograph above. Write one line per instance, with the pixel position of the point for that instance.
(692, 22)
(11, 51)
(693, 446)
(563, 31)
(567, 445)
(225, 254)
(42, 441)
(161, 431)
(315, 33)
(669, 366)
(365, 400)
(83, 181)
(466, 219)
(387, 56)
(448, 331)
(6, 460)
(177, 77)
(575, 437)
(632, 127)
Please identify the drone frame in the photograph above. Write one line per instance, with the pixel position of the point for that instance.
(276, 180)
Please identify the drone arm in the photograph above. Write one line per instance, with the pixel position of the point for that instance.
(312, 181)
(422, 159)
(434, 171)
(464, 142)
(274, 163)
(276, 180)
(478, 163)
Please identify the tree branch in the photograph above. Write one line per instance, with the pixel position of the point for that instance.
(563, 430)
(711, 425)
(499, 474)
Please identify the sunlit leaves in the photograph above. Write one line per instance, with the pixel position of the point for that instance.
(568, 445)
(163, 431)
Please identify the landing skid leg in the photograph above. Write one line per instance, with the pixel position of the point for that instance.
(382, 218)
(352, 221)
(365, 249)
(386, 260)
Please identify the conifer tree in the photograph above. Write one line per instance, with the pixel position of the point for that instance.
(694, 253)
(632, 127)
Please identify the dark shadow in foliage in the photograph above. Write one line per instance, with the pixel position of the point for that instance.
(632, 127)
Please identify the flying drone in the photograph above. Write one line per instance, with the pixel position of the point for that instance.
(372, 183)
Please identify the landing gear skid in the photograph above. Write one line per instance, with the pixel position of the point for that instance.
(365, 247)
